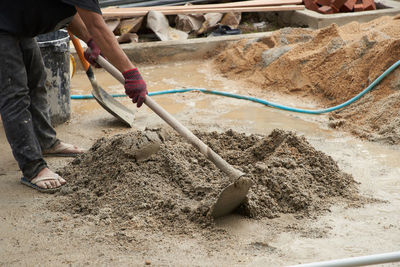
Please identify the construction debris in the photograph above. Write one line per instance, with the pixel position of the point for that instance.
(127, 29)
(129, 26)
(158, 23)
(189, 19)
(337, 6)
(243, 6)
(189, 23)
(128, 38)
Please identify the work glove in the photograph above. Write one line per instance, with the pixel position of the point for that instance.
(94, 53)
(135, 87)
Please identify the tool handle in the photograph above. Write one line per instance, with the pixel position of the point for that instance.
(79, 51)
(177, 126)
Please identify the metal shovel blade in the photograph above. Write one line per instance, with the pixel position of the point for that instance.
(114, 107)
(105, 100)
(231, 197)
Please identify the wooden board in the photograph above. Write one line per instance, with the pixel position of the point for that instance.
(123, 13)
(232, 4)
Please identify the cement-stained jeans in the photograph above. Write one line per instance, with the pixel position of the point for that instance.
(24, 107)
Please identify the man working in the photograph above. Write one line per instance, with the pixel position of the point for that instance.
(23, 97)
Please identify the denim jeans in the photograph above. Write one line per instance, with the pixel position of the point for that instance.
(24, 107)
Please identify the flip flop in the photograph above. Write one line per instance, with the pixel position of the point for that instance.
(61, 150)
(26, 182)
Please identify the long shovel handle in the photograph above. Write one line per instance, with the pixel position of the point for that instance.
(175, 124)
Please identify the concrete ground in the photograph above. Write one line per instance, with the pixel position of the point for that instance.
(30, 234)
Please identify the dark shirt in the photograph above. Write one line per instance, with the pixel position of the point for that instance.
(28, 18)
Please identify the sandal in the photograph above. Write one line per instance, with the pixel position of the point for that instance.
(48, 177)
(63, 150)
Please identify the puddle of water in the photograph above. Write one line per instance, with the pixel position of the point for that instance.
(170, 105)
(267, 119)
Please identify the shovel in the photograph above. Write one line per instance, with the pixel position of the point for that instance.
(232, 195)
(103, 98)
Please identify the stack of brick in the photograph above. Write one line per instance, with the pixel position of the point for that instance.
(337, 6)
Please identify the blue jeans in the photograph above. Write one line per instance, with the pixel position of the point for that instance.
(24, 107)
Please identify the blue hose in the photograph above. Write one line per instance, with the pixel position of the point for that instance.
(264, 102)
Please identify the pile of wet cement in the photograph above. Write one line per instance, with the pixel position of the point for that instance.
(155, 179)
(330, 65)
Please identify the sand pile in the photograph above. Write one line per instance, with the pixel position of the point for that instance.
(330, 65)
(154, 179)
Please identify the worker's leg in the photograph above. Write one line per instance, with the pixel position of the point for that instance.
(39, 108)
(15, 107)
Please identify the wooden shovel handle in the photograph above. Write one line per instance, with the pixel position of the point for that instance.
(177, 126)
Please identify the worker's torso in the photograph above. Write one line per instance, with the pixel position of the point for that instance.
(27, 18)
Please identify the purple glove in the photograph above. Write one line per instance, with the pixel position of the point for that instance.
(135, 87)
(94, 53)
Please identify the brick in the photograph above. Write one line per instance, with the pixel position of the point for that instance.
(324, 2)
(337, 4)
(358, 7)
(335, 10)
(325, 10)
(369, 5)
(345, 9)
(311, 5)
(348, 6)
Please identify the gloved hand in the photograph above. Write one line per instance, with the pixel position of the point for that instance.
(94, 53)
(135, 87)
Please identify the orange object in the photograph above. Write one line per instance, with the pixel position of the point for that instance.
(79, 51)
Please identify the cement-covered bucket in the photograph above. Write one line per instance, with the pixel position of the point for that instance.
(54, 47)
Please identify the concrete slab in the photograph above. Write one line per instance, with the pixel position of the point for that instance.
(316, 20)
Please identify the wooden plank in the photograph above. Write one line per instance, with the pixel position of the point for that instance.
(225, 5)
(121, 13)
(237, 9)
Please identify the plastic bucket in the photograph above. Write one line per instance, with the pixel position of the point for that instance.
(54, 47)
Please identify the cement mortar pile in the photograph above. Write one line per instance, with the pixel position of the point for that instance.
(330, 65)
(156, 180)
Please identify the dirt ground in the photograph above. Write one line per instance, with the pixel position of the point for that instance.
(320, 192)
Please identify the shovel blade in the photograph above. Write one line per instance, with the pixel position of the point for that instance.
(114, 107)
(231, 197)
